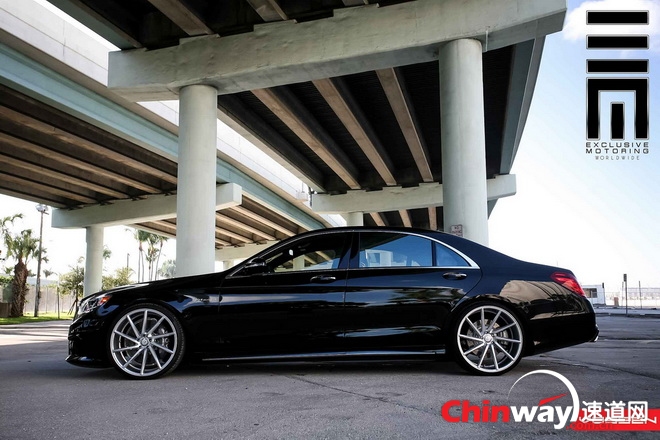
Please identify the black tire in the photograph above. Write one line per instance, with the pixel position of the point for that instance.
(146, 341)
(487, 339)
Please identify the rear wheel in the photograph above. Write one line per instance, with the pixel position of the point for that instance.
(146, 341)
(487, 339)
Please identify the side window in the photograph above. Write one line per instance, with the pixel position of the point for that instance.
(387, 249)
(318, 253)
(445, 257)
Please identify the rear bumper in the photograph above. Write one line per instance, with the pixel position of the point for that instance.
(561, 331)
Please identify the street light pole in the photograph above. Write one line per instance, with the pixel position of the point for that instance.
(43, 209)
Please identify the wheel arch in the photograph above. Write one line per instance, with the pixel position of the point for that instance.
(495, 299)
(162, 301)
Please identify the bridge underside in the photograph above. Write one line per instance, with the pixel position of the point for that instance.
(403, 113)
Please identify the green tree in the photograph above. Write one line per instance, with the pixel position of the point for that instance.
(72, 283)
(5, 280)
(22, 247)
(168, 269)
(141, 237)
(4, 231)
(154, 246)
(154, 249)
(122, 277)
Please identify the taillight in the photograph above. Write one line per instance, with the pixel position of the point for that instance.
(569, 281)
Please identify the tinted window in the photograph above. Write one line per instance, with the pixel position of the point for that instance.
(445, 257)
(317, 253)
(385, 249)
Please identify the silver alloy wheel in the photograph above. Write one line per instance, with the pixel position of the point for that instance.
(490, 339)
(144, 342)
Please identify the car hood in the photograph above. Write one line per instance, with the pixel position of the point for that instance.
(170, 284)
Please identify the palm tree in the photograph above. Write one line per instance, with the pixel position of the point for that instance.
(22, 247)
(154, 247)
(4, 228)
(107, 253)
(141, 237)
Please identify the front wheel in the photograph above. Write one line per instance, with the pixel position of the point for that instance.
(146, 341)
(487, 339)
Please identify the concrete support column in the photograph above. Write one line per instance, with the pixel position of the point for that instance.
(93, 260)
(228, 264)
(195, 240)
(299, 263)
(354, 218)
(463, 139)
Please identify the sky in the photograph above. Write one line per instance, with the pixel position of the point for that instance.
(599, 218)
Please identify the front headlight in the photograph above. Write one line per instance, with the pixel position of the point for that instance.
(92, 303)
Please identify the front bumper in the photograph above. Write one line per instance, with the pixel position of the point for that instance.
(87, 343)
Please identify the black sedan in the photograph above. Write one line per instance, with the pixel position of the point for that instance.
(344, 293)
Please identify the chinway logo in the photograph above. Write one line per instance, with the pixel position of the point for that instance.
(594, 416)
(623, 77)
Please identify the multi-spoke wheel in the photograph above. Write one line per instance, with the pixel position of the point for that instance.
(488, 339)
(146, 342)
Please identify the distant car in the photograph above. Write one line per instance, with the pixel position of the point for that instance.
(337, 294)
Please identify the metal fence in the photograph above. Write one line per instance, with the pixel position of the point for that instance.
(48, 302)
(646, 297)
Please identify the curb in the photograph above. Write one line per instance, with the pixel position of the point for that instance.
(630, 315)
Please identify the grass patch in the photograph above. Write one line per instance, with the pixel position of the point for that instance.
(29, 318)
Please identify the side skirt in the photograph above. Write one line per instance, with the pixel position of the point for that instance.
(334, 356)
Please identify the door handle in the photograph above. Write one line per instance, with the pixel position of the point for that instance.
(322, 279)
(454, 276)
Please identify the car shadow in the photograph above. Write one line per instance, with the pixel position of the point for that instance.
(311, 368)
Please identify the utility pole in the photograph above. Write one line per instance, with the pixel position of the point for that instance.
(625, 282)
(43, 209)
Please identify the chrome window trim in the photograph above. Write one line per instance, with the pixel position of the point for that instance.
(470, 261)
(276, 247)
(279, 245)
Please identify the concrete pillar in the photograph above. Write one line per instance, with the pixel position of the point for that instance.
(463, 139)
(195, 240)
(299, 263)
(93, 260)
(354, 218)
(228, 264)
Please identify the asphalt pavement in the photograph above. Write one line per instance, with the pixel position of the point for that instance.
(43, 397)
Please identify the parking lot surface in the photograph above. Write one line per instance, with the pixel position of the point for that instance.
(43, 397)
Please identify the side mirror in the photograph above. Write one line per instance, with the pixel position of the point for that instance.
(258, 265)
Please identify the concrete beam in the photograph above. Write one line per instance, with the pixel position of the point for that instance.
(393, 87)
(182, 16)
(36, 81)
(351, 115)
(268, 10)
(288, 52)
(398, 198)
(240, 252)
(293, 113)
(526, 63)
(126, 212)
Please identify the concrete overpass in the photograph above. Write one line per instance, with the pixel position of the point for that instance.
(401, 113)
